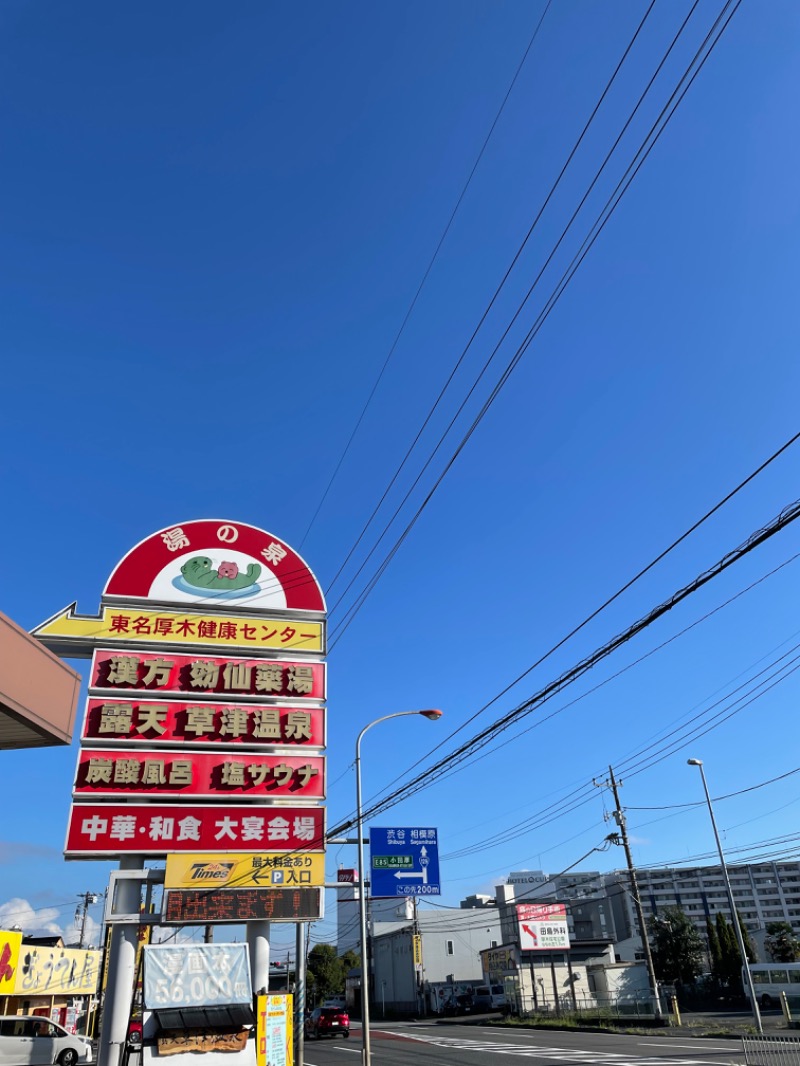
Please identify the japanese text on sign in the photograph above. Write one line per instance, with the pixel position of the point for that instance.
(165, 627)
(200, 774)
(242, 905)
(196, 976)
(201, 675)
(154, 829)
(135, 721)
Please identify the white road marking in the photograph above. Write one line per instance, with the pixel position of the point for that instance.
(576, 1056)
(704, 1046)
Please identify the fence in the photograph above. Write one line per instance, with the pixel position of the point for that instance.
(771, 1050)
(592, 1007)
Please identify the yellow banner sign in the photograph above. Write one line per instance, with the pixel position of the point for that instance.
(9, 961)
(57, 971)
(289, 870)
(274, 1030)
(79, 634)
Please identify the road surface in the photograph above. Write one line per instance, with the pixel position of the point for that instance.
(431, 1044)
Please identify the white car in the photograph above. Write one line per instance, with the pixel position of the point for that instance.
(28, 1040)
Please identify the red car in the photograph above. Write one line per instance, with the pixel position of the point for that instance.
(328, 1021)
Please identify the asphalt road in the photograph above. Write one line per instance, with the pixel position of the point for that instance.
(427, 1044)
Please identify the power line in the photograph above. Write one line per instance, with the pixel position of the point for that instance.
(428, 269)
(495, 295)
(785, 518)
(644, 150)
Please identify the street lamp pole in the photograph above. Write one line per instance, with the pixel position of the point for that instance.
(737, 928)
(432, 715)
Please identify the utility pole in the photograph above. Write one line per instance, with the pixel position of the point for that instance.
(622, 838)
(87, 899)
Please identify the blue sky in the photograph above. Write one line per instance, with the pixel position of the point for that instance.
(215, 222)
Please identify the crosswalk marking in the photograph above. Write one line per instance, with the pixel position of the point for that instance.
(576, 1056)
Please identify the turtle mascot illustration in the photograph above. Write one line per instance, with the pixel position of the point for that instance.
(197, 572)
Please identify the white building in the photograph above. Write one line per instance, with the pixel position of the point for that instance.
(763, 893)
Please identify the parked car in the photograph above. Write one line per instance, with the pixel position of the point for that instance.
(328, 1021)
(490, 998)
(29, 1040)
(135, 1031)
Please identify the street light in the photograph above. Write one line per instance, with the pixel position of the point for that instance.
(737, 928)
(433, 715)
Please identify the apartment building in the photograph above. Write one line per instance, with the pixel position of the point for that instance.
(763, 892)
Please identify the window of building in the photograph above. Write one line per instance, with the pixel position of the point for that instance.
(450, 947)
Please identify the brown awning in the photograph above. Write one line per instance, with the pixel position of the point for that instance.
(38, 692)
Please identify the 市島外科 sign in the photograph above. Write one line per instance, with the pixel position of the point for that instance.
(109, 829)
(542, 927)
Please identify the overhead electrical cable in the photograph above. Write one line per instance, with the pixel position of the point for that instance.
(425, 275)
(606, 213)
(584, 794)
(495, 295)
(786, 517)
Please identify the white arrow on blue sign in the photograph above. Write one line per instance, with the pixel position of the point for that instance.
(404, 862)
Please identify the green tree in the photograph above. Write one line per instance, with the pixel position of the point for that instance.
(781, 943)
(714, 949)
(325, 975)
(749, 946)
(678, 948)
(351, 960)
(730, 966)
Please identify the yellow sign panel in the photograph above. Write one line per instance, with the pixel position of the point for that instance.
(57, 971)
(244, 871)
(274, 1030)
(68, 630)
(9, 961)
(417, 940)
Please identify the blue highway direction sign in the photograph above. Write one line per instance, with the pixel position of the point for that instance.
(404, 862)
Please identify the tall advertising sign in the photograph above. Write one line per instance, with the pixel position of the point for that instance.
(204, 729)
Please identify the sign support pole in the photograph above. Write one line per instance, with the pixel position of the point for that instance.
(299, 991)
(121, 970)
(258, 943)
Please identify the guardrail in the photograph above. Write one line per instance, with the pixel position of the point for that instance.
(771, 1050)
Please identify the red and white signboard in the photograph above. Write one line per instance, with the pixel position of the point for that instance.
(168, 719)
(216, 774)
(143, 720)
(543, 927)
(206, 675)
(216, 562)
(110, 829)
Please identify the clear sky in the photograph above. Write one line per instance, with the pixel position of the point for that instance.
(215, 220)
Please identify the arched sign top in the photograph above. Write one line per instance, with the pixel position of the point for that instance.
(215, 562)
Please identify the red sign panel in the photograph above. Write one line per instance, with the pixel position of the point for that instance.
(203, 675)
(142, 721)
(111, 829)
(216, 562)
(199, 773)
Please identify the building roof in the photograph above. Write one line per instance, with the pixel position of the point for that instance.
(38, 692)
